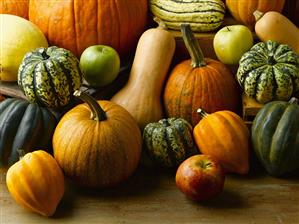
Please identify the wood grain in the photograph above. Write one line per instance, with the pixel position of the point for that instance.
(152, 197)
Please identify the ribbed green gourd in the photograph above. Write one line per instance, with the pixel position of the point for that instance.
(269, 71)
(202, 15)
(49, 76)
(169, 141)
(275, 136)
(23, 126)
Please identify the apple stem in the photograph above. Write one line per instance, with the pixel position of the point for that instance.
(192, 45)
(97, 113)
(202, 113)
(228, 28)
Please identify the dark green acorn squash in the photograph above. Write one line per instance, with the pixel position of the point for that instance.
(269, 71)
(169, 141)
(275, 136)
(49, 76)
(25, 126)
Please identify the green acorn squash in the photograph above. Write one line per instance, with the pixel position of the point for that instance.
(169, 141)
(275, 136)
(25, 126)
(269, 71)
(49, 76)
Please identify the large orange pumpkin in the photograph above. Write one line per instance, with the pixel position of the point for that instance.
(199, 82)
(15, 7)
(78, 24)
(242, 10)
(97, 144)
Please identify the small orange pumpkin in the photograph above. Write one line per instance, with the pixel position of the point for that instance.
(242, 10)
(15, 7)
(36, 182)
(224, 136)
(199, 82)
(97, 144)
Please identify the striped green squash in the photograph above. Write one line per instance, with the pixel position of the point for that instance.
(25, 126)
(202, 15)
(269, 71)
(169, 141)
(49, 76)
(275, 136)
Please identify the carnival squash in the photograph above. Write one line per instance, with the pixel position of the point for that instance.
(202, 15)
(141, 96)
(36, 182)
(224, 136)
(78, 24)
(269, 71)
(199, 82)
(275, 26)
(242, 10)
(15, 7)
(97, 144)
(25, 126)
(49, 76)
(169, 141)
(275, 136)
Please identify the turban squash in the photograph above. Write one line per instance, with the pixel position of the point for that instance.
(78, 24)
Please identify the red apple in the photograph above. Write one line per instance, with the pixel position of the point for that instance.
(200, 177)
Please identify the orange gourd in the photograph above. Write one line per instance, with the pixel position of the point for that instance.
(199, 82)
(36, 182)
(242, 10)
(78, 24)
(97, 144)
(224, 136)
(15, 7)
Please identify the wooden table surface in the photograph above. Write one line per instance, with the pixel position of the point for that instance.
(152, 197)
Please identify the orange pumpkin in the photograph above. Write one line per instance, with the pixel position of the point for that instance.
(15, 7)
(97, 144)
(199, 82)
(242, 10)
(36, 182)
(224, 136)
(76, 25)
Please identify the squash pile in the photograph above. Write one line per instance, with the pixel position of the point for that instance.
(167, 111)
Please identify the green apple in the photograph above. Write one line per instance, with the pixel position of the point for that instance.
(100, 65)
(231, 42)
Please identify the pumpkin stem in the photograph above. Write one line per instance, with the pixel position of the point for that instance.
(160, 22)
(257, 15)
(192, 45)
(202, 113)
(293, 100)
(21, 153)
(97, 113)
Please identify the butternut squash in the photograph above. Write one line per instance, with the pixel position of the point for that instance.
(275, 26)
(141, 96)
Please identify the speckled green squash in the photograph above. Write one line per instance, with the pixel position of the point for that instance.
(49, 76)
(275, 136)
(269, 71)
(25, 126)
(169, 141)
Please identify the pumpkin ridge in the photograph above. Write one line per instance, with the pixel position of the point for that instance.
(197, 78)
(11, 124)
(180, 108)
